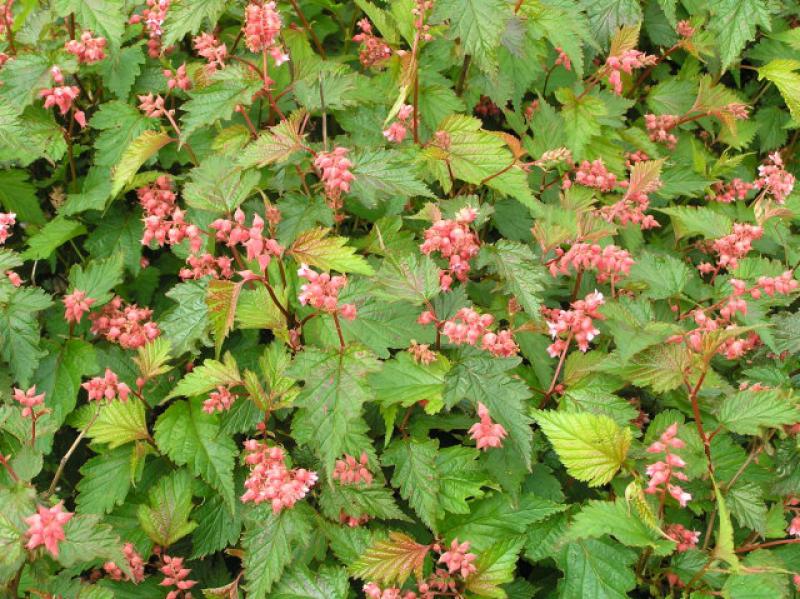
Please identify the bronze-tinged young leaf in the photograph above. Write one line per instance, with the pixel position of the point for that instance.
(222, 299)
(277, 144)
(144, 147)
(316, 248)
(165, 518)
(391, 560)
(644, 178)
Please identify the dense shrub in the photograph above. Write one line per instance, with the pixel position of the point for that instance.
(399, 299)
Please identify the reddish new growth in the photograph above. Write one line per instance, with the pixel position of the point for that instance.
(563, 59)
(727, 193)
(28, 400)
(577, 323)
(178, 79)
(334, 168)
(127, 325)
(398, 130)
(7, 220)
(62, 96)
(773, 179)
(659, 127)
(486, 433)
(106, 387)
(164, 222)
(610, 262)
(234, 232)
(374, 50)
(322, 292)
(270, 480)
(625, 63)
(261, 29)
(458, 559)
(468, 326)
(685, 538)
(454, 240)
(76, 304)
(6, 16)
(176, 575)
(663, 472)
(731, 248)
(209, 47)
(219, 401)
(153, 17)
(349, 471)
(88, 49)
(46, 527)
(135, 564)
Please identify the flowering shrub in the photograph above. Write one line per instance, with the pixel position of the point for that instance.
(399, 299)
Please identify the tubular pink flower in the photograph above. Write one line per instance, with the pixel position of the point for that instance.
(487, 433)
(87, 49)
(458, 559)
(29, 400)
(76, 304)
(46, 527)
(106, 387)
(270, 480)
(349, 471)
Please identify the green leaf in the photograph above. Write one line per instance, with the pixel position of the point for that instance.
(52, 236)
(592, 447)
(597, 568)
(404, 381)
(690, 220)
(315, 248)
(105, 484)
(268, 543)
(478, 24)
(22, 79)
(219, 186)
(121, 68)
(734, 24)
(217, 528)
(661, 367)
(186, 324)
(665, 276)
(165, 518)
(747, 412)
(358, 501)
(119, 422)
(381, 176)
(207, 376)
(217, 101)
(191, 437)
(391, 560)
(416, 475)
(190, 16)
(460, 478)
(18, 195)
(495, 566)
(98, 278)
(325, 582)
(782, 73)
(222, 300)
(19, 330)
(141, 149)
(746, 502)
(88, 540)
(607, 16)
(633, 323)
(103, 17)
(581, 119)
(95, 191)
(121, 124)
(412, 279)
(724, 548)
(523, 275)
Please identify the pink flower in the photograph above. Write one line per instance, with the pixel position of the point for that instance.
(7, 220)
(218, 401)
(659, 127)
(794, 527)
(153, 18)
(262, 26)
(164, 221)
(610, 262)
(577, 323)
(209, 47)
(563, 59)
(88, 49)
(685, 538)
(322, 292)
(727, 193)
(684, 29)
(595, 174)
(663, 472)
(396, 132)
(135, 563)
(62, 96)
(348, 471)
(736, 245)
(29, 400)
(153, 107)
(774, 179)
(454, 240)
(421, 352)
(46, 527)
(335, 174)
(625, 63)
(175, 575)
(374, 50)
(127, 325)
(106, 387)
(14, 278)
(486, 433)
(76, 304)
(179, 79)
(458, 560)
(270, 480)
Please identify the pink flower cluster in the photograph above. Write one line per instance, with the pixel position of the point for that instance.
(153, 106)
(76, 304)
(632, 208)
(685, 538)
(14, 278)
(625, 63)
(6, 15)
(659, 127)
(632, 158)
(219, 401)
(486, 433)
(178, 79)
(261, 29)
(374, 50)
(164, 222)
(7, 220)
(685, 29)
(270, 480)
(373, 591)
(349, 471)
(209, 47)
(127, 325)
(88, 49)
(732, 247)
(153, 17)
(610, 262)
(594, 174)
(774, 179)
(107, 386)
(334, 168)
(576, 323)
(454, 240)
(322, 292)
(205, 265)
(176, 575)
(727, 193)
(458, 560)
(62, 96)
(563, 59)
(468, 326)
(662, 472)
(135, 564)
(398, 129)
(258, 247)
(422, 353)
(28, 400)
(46, 527)
(794, 527)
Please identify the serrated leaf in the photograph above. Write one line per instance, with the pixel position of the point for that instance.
(661, 367)
(734, 24)
(479, 25)
(403, 381)
(598, 568)
(494, 567)
(524, 276)
(18, 195)
(87, 540)
(49, 238)
(191, 437)
(416, 475)
(747, 412)
(782, 73)
(358, 501)
(616, 518)
(190, 16)
(98, 278)
(121, 124)
(665, 276)
(325, 582)
(276, 144)
(186, 324)
(592, 447)
(317, 249)
(217, 101)
(118, 423)
(121, 68)
(391, 560)
(165, 518)
(208, 376)
(219, 186)
(20, 332)
(217, 528)
(103, 17)
(222, 299)
(581, 119)
(104, 486)
(413, 279)
(141, 149)
(382, 176)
